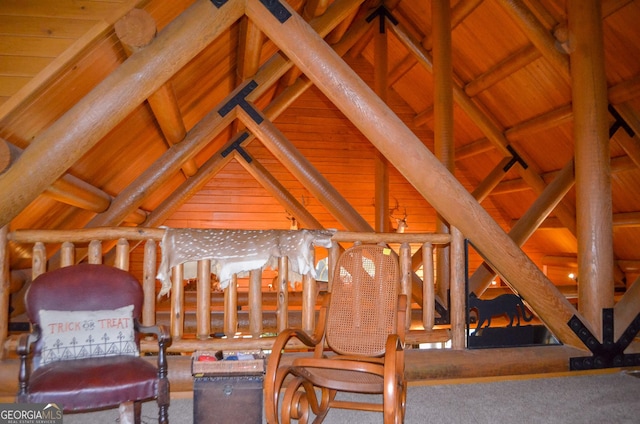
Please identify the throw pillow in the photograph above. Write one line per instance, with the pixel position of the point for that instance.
(71, 335)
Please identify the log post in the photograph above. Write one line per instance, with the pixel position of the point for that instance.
(380, 74)
(67, 254)
(231, 308)
(177, 303)
(203, 301)
(458, 293)
(593, 173)
(309, 297)
(149, 283)
(428, 288)
(332, 260)
(255, 303)
(282, 289)
(443, 121)
(406, 275)
(38, 260)
(94, 254)
(122, 254)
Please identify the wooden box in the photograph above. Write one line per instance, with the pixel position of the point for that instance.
(228, 391)
(231, 399)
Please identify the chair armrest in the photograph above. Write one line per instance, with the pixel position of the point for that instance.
(164, 340)
(159, 330)
(25, 341)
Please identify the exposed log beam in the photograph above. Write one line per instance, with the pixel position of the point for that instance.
(625, 91)
(626, 219)
(502, 70)
(432, 180)
(136, 30)
(491, 181)
(279, 192)
(619, 164)
(631, 145)
(626, 310)
(459, 12)
(443, 124)
(72, 190)
(545, 121)
(304, 171)
(592, 161)
(212, 124)
(530, 221)
(249, 49)
(381, 84)
(186, 190)
(541, 38)
(488, 126)
(70, 137)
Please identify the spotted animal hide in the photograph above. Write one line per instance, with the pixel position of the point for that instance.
(238, 251)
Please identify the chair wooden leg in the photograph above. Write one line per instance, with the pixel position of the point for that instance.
(127, 413)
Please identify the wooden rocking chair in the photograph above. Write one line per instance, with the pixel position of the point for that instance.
(362, 325)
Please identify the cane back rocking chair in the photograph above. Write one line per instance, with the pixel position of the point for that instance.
(85, 344)
(358, 346)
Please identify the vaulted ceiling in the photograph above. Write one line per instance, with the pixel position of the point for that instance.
(104, 124)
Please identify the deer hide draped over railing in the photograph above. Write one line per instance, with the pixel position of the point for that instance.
(239, 251)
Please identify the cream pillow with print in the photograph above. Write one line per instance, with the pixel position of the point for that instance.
(68, 335)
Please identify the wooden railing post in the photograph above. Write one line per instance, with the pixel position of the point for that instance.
(458, 293)
(203, 301)
(122, 254)
(309, 297)
(177, 303)
(332, 260)
(255, 303)
(406, 278)
(428, 288)
(68, 254)
(282, 315)
(38, 260)
(231, 308)
(94, 255)
(149, 283)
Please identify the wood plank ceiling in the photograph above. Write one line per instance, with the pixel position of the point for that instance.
(509, 87)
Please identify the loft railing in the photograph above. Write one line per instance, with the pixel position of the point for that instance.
(89, 245)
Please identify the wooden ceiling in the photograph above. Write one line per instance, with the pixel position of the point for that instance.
(511, 80)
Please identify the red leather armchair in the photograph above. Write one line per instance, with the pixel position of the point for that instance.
(85, 363)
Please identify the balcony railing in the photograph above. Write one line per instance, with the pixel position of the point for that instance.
(53, 248)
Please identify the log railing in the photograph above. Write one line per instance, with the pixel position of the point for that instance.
(87, 245)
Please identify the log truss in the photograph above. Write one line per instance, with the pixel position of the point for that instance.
(301, 57)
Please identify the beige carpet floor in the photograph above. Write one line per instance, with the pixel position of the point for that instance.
(611, 397)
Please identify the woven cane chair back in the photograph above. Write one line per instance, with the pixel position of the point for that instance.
(364, 298)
